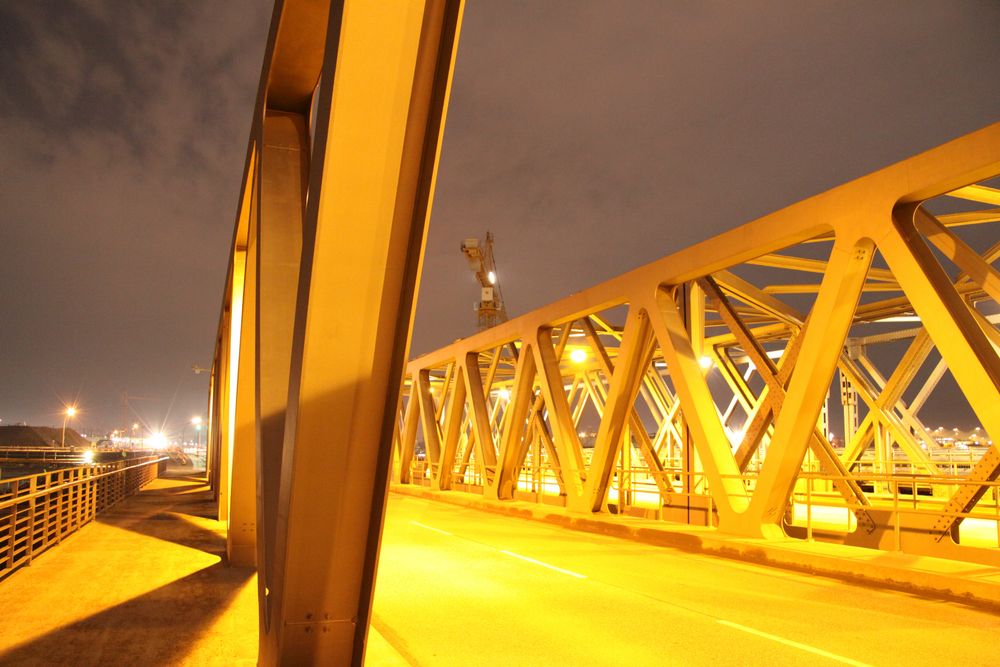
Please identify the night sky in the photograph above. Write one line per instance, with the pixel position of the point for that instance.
(589, 137)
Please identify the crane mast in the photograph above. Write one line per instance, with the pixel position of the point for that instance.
(490, 309)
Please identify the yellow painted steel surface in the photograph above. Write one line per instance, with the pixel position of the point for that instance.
(315, 321)
(695, 388)
(691, 389)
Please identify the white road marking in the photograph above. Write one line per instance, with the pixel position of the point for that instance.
(789, 642)
(436, 530)
(538, 562)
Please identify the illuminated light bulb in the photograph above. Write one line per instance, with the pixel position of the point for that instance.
(492, 277)
(578, 356)
(705, 362)
(504, 395)
(88, 456)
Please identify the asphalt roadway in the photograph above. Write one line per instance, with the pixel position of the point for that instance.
(458, 586)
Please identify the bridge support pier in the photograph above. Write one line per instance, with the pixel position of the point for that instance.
(315, 401)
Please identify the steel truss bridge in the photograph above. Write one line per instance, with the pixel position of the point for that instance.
(694, 388)
(697, 388)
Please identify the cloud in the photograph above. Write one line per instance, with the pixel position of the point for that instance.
(123, 139)
(590, 137)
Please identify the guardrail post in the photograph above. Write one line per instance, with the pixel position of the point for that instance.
(895, 514)
(809, 507)
(996, 508)
(32, 487)
(60, 505)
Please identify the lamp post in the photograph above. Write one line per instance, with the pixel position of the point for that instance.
(196, 421)
(70, 412)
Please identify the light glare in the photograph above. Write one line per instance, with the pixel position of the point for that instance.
(158, 441)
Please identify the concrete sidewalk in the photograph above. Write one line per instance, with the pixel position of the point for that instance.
(146, 584)
(970, 583)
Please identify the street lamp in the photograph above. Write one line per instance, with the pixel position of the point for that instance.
(196, 421)
(70, 412)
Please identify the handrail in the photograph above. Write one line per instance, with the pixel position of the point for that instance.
(33, 519)
(897, 503)
(50, 489)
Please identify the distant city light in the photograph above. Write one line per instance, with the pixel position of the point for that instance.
(158, 441)
(196, 421)
(88, 456)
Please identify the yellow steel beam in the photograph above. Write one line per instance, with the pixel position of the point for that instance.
(283, 176)
(858, 216)
(375, 79)
(957, 334)
(241, 537)
(977, 193)
(823, 338)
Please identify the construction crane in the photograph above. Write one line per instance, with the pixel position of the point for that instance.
(490, 309)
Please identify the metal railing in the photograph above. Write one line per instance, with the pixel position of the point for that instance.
(815, 508)
(39, 511)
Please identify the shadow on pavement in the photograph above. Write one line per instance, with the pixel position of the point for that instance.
(157, 628)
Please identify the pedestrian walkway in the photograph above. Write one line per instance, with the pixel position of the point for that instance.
(145, 584)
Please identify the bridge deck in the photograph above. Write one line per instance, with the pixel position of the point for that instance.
(146, 584)
(456, 582)
(924, 576)
(143, 585)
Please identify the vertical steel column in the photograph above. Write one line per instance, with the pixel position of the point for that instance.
(282, 179)
(241, 537)
(382, 98)
(230, 365)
